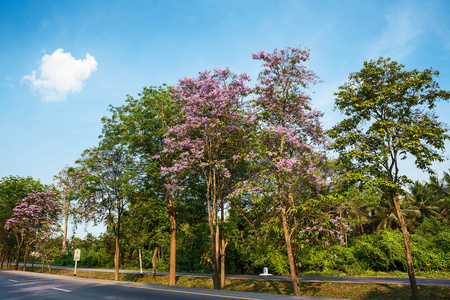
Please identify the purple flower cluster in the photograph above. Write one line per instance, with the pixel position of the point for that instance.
(331, 233)
(212, 114)
(36, 212)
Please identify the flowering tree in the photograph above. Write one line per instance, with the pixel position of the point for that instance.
(290, 170)
(32, 218)
(210, 136)
(12, 190)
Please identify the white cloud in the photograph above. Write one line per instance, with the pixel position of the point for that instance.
(60, 73)
(401, 34)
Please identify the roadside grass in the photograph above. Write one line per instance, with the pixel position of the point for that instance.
(369, 273)
(321, 289)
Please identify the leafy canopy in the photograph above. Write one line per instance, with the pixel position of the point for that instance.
(389, 115)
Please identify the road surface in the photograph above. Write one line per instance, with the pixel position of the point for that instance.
(379, 280)
(36, 286)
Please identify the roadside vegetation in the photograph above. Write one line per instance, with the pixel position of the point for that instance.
(322, 289)
(214, 176)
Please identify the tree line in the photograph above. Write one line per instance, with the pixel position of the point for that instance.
(247, 168)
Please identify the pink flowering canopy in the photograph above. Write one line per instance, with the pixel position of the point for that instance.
(290, 135)
(212, 121)
(34, 214)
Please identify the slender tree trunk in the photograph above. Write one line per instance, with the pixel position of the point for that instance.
(25, 258)
(10, 261)
(66, 221)
(155, 252)
(216, 266)
(173, 241)
(43, 263)
(361, 225)
(116, 259)
(48, 266)
(212, 221)
(409, 262)
(19, 247)
(222, 248)
(290, 254)
(3, 257)
(216, 254)
(222, 263)
(32, 263)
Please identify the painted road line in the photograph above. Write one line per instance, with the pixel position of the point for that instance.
(67, 291)
(12, 280)
(163, 290)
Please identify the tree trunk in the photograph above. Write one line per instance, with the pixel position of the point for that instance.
(19, 247)
(3, 257)
(287, 238)
(213, 226)
(154, 264)
(10, 261)
(43, 263)
(222, 263)
(25, 258)
(66, 221)
(215, 259)
(48, 266)
(32, 263)
(116, 259)
(173, 242)
(409, 262)
(223, 246)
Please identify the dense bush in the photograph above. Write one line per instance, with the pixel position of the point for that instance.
(381, 251)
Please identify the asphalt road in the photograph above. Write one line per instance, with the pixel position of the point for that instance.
(25, 285)
(379, 280)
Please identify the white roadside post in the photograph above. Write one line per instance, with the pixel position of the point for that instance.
(76, 258)
(265, 272)
(140, 260)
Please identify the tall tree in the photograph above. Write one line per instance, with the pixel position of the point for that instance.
(140, 126)
(389, 115)
(107, 188)
(209, 136)
(291, 171)
(68, 183)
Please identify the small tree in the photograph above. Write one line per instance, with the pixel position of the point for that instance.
(389, 115)
(107, 186)
(34, 215)
(68, 183)
(12, 190)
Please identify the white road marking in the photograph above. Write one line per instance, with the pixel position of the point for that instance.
(67, 291)
(13, 280)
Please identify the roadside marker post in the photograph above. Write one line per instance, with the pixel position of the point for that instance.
(76, 258)
(140, 260)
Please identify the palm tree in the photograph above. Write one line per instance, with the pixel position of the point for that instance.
(423, 197)
(440, 189)
(383, 214)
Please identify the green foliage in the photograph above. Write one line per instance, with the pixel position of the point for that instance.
(389, 115)
(442, 240)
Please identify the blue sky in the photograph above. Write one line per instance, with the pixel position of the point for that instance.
(86, 55)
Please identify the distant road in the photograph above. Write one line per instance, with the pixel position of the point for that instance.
(380, 280)
(38, 286)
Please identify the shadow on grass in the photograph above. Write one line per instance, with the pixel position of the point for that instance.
(260, 286)
(403, 292)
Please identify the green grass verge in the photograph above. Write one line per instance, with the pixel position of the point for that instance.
(322, 289)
